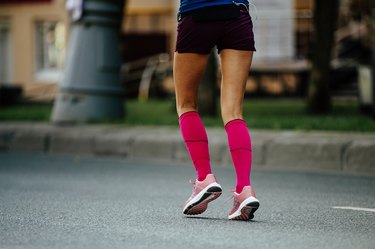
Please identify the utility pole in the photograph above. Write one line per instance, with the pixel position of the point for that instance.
(325, 17)
(91, 88)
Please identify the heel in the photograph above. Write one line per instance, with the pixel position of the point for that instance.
(254, 205)
(214, 189)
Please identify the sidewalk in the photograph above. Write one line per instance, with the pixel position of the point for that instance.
(348, 152)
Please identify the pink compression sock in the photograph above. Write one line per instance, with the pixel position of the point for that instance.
(240, 149)
(196, 141)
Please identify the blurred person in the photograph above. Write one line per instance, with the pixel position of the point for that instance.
(202, 25)
(352, 35)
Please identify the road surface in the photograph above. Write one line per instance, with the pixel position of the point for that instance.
(73, 202)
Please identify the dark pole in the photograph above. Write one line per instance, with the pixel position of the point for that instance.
(325, 16)
(91, 88)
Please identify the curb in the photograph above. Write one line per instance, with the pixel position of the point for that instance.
(343, 152)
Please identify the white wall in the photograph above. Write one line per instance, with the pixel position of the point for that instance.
(274, 29)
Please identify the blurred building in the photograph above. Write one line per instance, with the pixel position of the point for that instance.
(34, 36)
(149, 28)
(282, 27)
(282, 32)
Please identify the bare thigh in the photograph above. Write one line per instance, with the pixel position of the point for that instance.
(188, 69)
(235, 66)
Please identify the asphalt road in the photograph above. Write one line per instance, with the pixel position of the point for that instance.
(71, 202)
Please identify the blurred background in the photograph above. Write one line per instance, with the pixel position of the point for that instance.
(82, 80)
(296, 40)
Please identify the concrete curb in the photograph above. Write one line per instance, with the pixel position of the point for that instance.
(348, 152)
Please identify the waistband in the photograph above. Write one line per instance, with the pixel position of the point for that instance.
(180, 16)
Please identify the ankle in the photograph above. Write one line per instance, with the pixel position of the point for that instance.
(202, 176)
(239, 188)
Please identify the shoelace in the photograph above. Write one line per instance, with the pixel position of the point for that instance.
(194, 183)
(230, 197)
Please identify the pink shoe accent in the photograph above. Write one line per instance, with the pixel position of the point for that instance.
(240, 148)
(203, 193)
(244, 205)
(196, 141)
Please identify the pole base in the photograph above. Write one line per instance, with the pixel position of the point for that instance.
(79, 108)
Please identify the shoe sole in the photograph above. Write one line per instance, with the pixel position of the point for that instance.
(247, 212)
(200, 206)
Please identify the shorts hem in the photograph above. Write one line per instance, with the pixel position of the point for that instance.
(191, 52)
(239, 49)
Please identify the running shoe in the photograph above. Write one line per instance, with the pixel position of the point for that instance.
(203, 193)
(245, 204)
